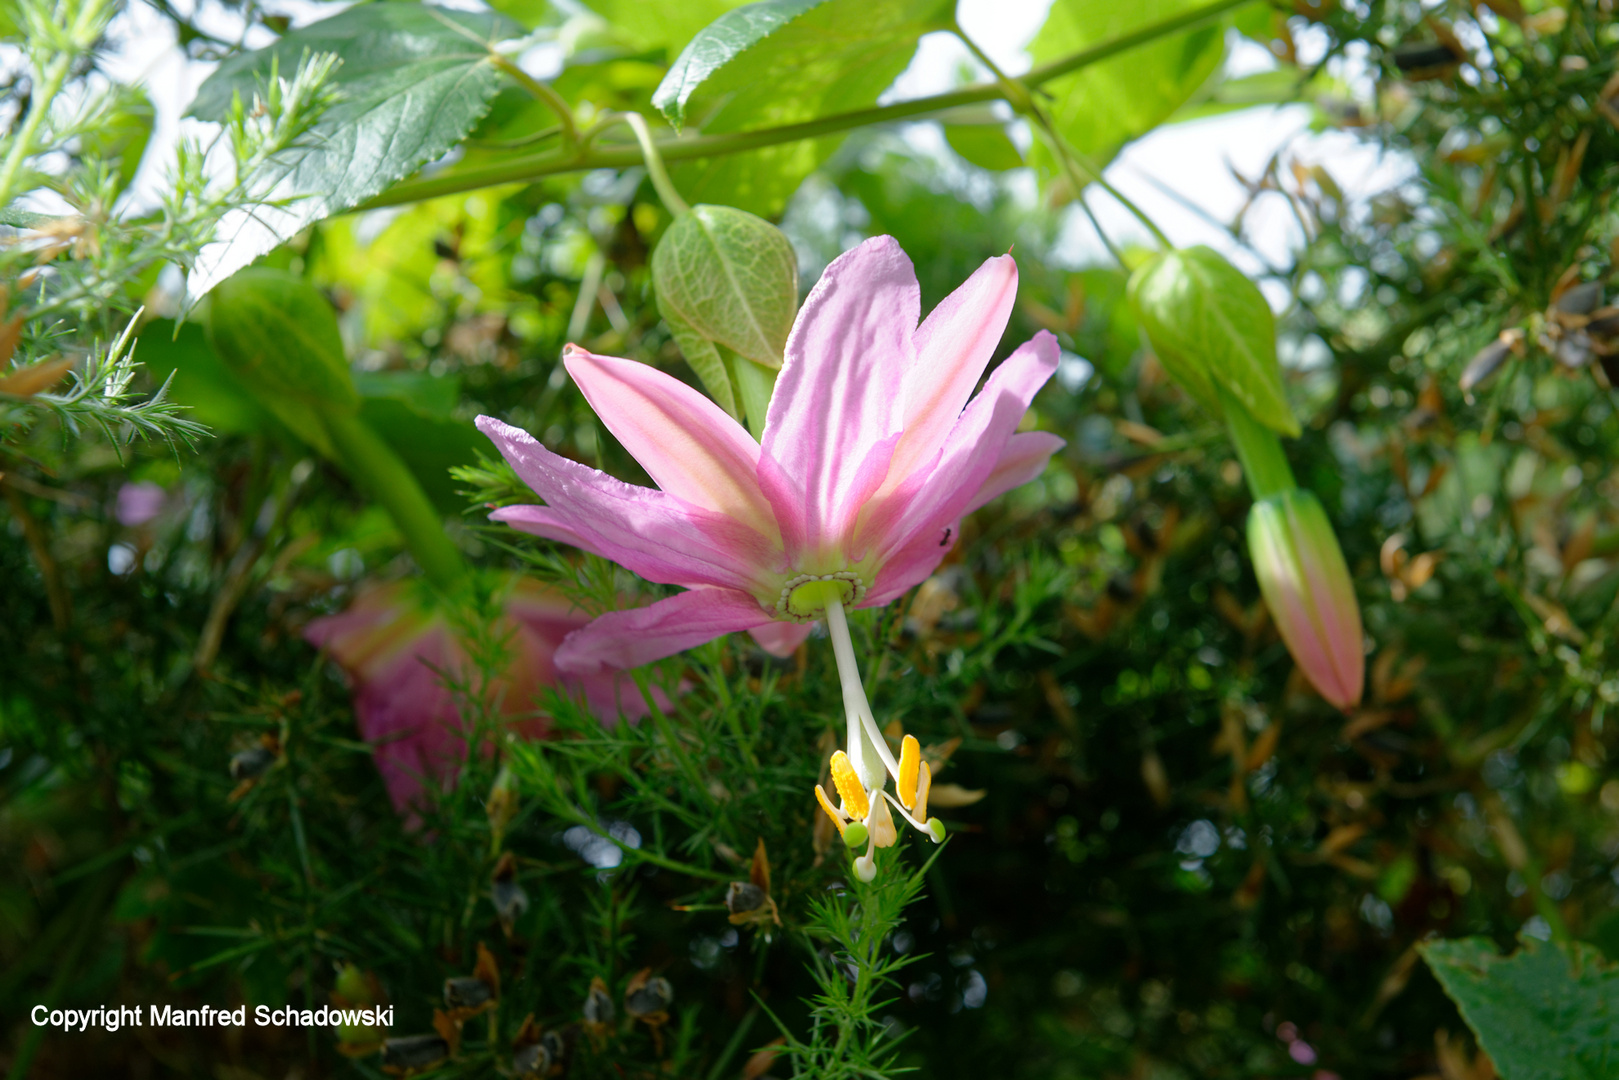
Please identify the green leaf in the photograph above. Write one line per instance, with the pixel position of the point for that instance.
(1546, 1012)
(413, 81)
(717, 45)
(730, 276)
(1207, 322)
(1101, 107)
(433, 396)
(199, 380)
(279, 335)
(652, 26)
(831, 57)
(985, 145)
(429, 445)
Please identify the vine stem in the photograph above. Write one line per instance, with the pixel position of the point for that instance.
(1018, 96)
(1259, 449)
(543, 93)
(533, 166)
(654, 165)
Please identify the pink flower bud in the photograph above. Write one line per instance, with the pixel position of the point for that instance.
(1306, 585)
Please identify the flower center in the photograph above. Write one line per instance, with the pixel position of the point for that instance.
(804, 597)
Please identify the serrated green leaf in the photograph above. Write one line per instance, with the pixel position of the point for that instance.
(985, 145)
(731, 277)
(413, 81)
(1101, 107)
(836, 56)
(1207, 322)
(279, 336)
(1546, 1012)
(717, 45)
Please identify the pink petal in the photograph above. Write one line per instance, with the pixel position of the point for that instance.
(649, 532)
(911, 564)
(1023, 459)
(689, 446)
(837, 408)
(781, 638)
(626, 639)
(970, 453)
(953, 346)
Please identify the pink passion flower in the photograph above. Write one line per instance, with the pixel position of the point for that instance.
(872, 452)
(398, 650)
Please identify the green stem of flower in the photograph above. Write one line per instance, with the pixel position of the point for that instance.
(1264, 465)
(654, 165)
(531, 167)
(383, 477)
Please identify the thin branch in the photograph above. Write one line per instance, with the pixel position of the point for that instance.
(535, 166)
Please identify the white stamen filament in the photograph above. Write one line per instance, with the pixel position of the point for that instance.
(865, 739)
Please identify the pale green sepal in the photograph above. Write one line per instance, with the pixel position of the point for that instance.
(706, 361)
(1207, 321)
(754, 383)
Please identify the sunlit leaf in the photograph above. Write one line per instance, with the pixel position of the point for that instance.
(413, 81)
(832, 57)
(1103, 106)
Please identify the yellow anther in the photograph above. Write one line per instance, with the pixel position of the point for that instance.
(826, 804)
(924, 781)
(910, 757)
(853, 795)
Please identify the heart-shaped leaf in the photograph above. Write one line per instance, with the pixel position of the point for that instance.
(1208, 323)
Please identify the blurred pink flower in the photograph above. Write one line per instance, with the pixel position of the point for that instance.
(139, 503)
(398, 649)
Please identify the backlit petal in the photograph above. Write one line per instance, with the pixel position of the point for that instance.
(687, 444)
(953, 346)
(970, 453)
(836, 412)
(1024, 458)
(626, 639)
(646, 531)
